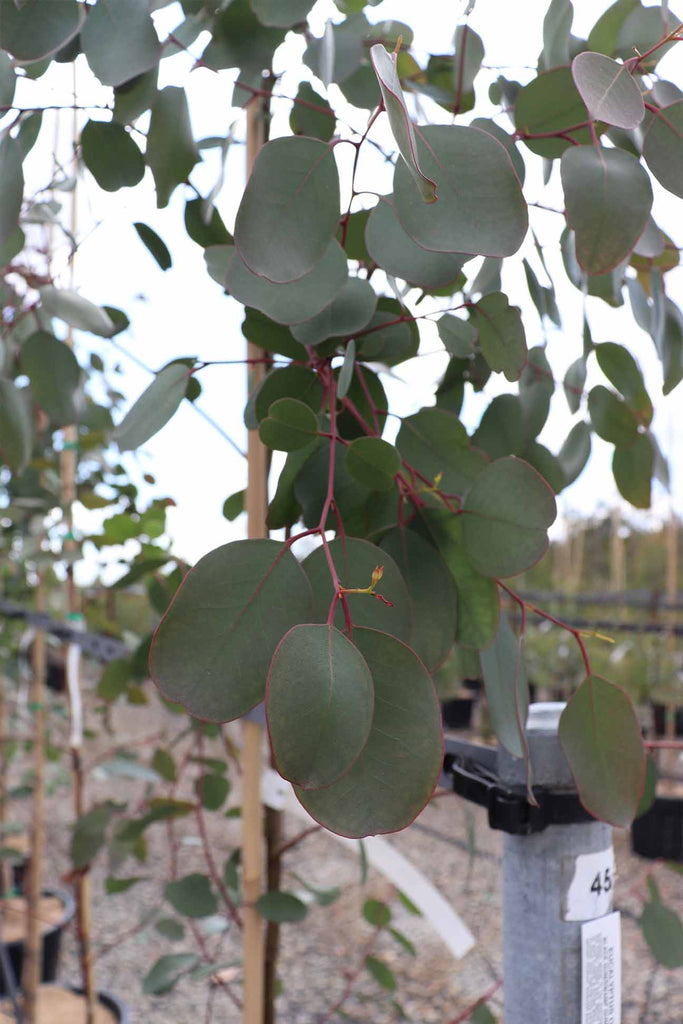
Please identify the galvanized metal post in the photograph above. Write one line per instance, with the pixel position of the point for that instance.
(553, 882)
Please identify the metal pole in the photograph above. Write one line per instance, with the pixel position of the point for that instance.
(553, 882)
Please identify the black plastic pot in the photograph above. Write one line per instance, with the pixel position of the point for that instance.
(111, 1002)
(457, 712)
(659, 832)
(52, 940)
(659, 720)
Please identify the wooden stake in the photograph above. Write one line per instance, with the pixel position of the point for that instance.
(617, 561)
(252, 734)
(33, 949)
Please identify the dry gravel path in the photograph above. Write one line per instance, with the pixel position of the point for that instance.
(452, 844)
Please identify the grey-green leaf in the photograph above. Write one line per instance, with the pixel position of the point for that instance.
(608, 196)
(154, 245)
(290, 303)
(274, 233)
(154, 408)
(281, 907)
(166, 972)
(111, 155)
(16, 427)
(507, 688)
(213, 647)
(396, 253)
(171, 149)
(191, 896)
(480, 209)
(319, 705)
(12, 177)
(350, 311)
(38, 28)
(402, 129)
(119, 41)
(385, 789)
(608, 89)
(76, 311)
(55, 376)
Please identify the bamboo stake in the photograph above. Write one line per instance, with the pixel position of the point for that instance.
(32, 967)
(617, 561)
(68, 467)
(252, 734)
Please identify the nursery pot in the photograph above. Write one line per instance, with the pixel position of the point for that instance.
(57, 1005)
(659, 832)
(457, 712)
(659, 720)
(51, 939)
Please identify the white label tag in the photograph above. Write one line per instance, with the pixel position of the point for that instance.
(590, 892)
(273, 789)
(601, 970)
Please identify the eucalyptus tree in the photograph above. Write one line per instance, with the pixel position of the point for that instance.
(419, 532)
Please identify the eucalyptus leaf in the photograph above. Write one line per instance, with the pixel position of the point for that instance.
(154, 408)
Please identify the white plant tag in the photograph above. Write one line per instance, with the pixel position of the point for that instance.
(601, 970)
(591, 888)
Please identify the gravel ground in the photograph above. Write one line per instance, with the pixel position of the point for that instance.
(451, 843)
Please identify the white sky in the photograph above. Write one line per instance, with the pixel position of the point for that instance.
(182, 312)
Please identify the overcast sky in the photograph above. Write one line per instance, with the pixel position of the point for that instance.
(182, 312)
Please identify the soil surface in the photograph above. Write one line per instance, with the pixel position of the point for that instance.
(13, 916)
(323, 955)
(59, 1006)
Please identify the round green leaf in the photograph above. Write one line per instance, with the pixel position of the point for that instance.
(119, 41)
(373, 463)
(663, 146)
(385, 340)
(171, 149)
(290, 303)
(111, 155)
(435, 442)
(191, 896)
(600, 736)
(550, 105)
(133, 98)
(212, 649)
(281, 907)
(610, 417)
(55, 376)
(271, 336)
(8, 80)
(154, 408)
(548, 465)
(205, 227)
(376, 913)
(166, 972)
(319, 705)
(501, 429)
(621, 369)
(38, 28)
(281, 13)
(480, 208)
(11, 195)
(458, 336)
(663, 932)
(432, 592)
(290, 424)
(297, 382)
(355, 560)
(485, 124)
(312, 115)
(633, 468)
(349, 312)
(478, 601)
(275, 234)
(385, 790)
(501, 334)
(397, 254)
(155, 245)
(506, 518)
(608, 89)
(16, 427)
(608, 197)
(212, 791)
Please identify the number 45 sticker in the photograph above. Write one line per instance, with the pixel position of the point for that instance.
(602, 882)
(590, 891)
